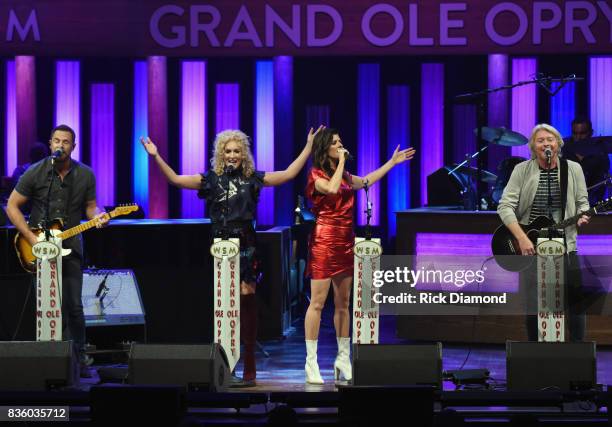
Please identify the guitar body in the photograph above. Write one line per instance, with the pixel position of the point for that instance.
(504, 245)
(24, 249)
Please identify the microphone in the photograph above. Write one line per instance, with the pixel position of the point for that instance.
(347, 155)
(548, 153)
(102, 286)
(228, 169)
(57, 154)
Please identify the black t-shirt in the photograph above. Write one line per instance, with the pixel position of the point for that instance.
(67, 199)
(243, 194)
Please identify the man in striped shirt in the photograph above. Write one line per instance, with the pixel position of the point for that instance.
(527, 196)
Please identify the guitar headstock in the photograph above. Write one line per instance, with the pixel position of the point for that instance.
(603, 206)
(123, 210)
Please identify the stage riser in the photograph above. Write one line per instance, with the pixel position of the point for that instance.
(173, 266)
(482, 329)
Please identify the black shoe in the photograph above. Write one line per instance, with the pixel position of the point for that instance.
(86, 360)
(236, 382)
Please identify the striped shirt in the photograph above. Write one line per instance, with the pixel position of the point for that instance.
(540, 201)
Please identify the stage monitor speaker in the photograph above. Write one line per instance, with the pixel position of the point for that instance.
(37, 365)
(367, 405)
(384, 364)
(198, 367)
(564, 366)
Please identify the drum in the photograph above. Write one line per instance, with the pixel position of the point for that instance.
(505, 169)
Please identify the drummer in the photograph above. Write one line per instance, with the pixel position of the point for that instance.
(582, 129)
(591, 153)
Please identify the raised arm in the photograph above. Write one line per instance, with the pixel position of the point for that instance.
(399, 156)
(280, 177)
(181, 181)
(332, 185)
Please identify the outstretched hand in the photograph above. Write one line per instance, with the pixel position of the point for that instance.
(149, 146)
(400, 156)
(311, 134)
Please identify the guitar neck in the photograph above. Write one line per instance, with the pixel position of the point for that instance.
(572, 220)
(71, 232)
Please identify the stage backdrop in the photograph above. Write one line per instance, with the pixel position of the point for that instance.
(280, 27)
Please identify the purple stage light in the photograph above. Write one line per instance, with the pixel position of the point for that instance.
(368, 136)
(524, 101)
(11, 120)
(193, 138)
(103, 141)
(68, 99)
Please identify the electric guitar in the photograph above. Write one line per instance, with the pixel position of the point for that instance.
(24, 248)
(505, 244)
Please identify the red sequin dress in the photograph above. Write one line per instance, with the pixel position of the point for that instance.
(332, 238)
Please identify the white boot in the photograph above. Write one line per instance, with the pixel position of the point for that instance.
(313, 376)
(342, 364)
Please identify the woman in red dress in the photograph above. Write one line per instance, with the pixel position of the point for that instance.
(331, 190)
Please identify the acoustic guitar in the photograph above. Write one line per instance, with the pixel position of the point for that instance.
(505, 244)
(24, 248)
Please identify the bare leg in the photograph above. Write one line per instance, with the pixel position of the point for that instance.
(318, 294)
(318, 290)
(342, 294)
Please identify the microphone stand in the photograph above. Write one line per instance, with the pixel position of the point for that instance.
(46, 223)
(479, 99)
(225, 230)
(368, 211)
(102, 290)
(550, 212)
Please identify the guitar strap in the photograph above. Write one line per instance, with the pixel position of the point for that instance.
(71, 179)
(563, 185)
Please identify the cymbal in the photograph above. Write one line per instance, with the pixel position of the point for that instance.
(502, 136)
(485, 176)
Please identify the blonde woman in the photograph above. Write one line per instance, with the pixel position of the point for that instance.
(233, 167)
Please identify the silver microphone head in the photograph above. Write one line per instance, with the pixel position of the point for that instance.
(57, 153)
(548, 153)
(347, 154)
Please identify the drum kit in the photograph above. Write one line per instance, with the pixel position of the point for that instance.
(592, 154)
(465, 176)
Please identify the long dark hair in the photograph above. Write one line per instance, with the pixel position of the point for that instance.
(321, 143)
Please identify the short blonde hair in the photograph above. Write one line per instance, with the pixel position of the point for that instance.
(547, 128)
(225, 137)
